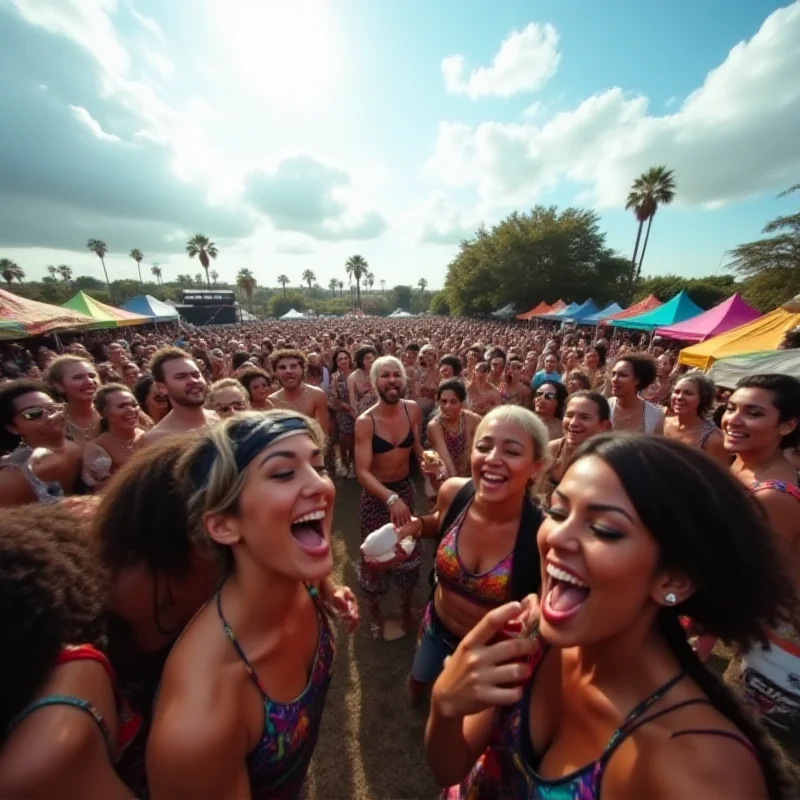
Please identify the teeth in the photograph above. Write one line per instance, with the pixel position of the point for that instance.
(562, 575)
(312, 517)
(492, 476)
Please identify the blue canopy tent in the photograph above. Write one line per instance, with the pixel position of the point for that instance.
(148, 306)
(582, 311)
(560, 315)
(506, 312)
(678, 309)
(608, 311)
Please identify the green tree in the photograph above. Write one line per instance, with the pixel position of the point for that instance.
(247, 284)
(772, 287)
(401, 297)
(439, 304)
(340, 284)
(309, 277)
(86, 283)
(156, 270)
(283, 281)
(369, 281)
(357, 267)
(383, 286)
(184, 281)
(707, 291)
(278, 305)
(332, 284)
(99, 248)
(198, 279)
(423, 284)
(137, 256)
(214, 276)
(65, 273)
(202, 247)
(53, 271)
(11, 271)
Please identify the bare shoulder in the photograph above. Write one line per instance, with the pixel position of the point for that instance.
(449, 489)
(553, 446)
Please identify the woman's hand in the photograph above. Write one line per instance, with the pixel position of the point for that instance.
(399, 514)
(344, 605)
(413, 528)
(481, 674)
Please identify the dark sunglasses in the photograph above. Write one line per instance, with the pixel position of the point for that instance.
(547, 395)
(37, 412)
(239, 405)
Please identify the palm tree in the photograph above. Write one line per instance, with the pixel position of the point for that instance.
(53, 271)
(156, 270)
(214, 276)
(198, 279)
(11, 271)
(383, 286)
(137, 256)
(341, 287)
(332, 284)
(65, 272)
(98, 247)
(657, 187)
(369, 280)
(423, 284)
(309, 277)
(202, 247)
(247, 283)
(185, 281)
(356, 267)
(283, 281)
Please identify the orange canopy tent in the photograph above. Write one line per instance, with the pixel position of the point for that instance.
(648, 304)
(542, 308)
(20, 317)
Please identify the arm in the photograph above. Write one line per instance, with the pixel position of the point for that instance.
(715, 447)
(321, 411)
(416, 421)
(351, 390)
(452, 746)
(436, 438)
(427, 527)
(781, 511)
(14, 489)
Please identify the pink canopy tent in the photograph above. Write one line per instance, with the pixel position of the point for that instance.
(729, 314)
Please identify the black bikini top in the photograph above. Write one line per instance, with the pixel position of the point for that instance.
(380, 445)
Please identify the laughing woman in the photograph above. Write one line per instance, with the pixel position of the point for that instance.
(256, 660)
(610, 701)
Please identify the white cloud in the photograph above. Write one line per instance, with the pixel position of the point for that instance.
(440, 221)
(158, 62)
(525, 62)
(734, 137)
(149, 24)
(88, 121)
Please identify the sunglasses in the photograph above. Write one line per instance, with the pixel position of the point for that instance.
(37, 412)
(547, 395)
(239, 405)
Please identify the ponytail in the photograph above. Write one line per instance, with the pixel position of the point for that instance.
(780, 781)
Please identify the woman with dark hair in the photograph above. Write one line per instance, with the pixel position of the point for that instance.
(39, 464)
(549, 401)
(692, 400)
(151, 401)
(343, 411)
(630, 376)
(359, 385)
(119, 434)
(257, 383)
(63, 723)
(761, 420)
(595, 367)
(610, 683)
(660, 390)
(452, 431)
(75, 380)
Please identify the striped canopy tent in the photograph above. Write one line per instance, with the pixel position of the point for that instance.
(542, 308)
(648, 304)
(608, 311)
(678, 309)
(104, 316)
(20, 317)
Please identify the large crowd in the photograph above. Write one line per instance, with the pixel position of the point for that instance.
(601, 520)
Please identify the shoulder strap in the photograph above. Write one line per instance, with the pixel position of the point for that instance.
(460, 501)
(526, 576)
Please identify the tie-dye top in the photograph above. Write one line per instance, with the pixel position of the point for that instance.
(489, 588)
(278, 764)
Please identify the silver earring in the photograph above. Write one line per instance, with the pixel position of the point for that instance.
(670, 598)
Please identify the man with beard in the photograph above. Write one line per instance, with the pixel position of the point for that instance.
(385, 435)
(177, 376)
(289, 367)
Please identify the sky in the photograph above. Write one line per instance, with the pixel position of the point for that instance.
(296, 134)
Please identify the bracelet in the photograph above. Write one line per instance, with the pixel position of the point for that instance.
(392, 499)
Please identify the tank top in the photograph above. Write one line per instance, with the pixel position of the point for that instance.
(44, 491)
(489, 588)
(278, 764)
(456, 443)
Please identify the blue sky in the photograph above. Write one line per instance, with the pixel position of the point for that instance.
(297, 134)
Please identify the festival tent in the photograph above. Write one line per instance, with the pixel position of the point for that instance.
(292, 314)
(764, 333)
(582, 311)
(648, 304)
(542, 308)
(729, 314)
(146, 305)
(21, 317)
(399, 313)
(678, 309)
(103, 316)
(608, 311)
(505, 311)
(728, 371)
(562, 313)
(559, 305)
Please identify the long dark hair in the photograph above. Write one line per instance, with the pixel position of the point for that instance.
(718, 536)
(785, 392)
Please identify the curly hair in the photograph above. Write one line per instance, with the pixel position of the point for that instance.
(52, 593)
(249, 375)
(296, 355)
(643, 366)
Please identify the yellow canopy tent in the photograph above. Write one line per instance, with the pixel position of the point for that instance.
(764, 333)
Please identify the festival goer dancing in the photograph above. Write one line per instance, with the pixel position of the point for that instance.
(761, 420)
(692, 400)
(486, 526)
(119, 435)
(452, 431)
(586, 414)
(257, 385)
(514, 391)
(359, 384)
(345, 418)
(228, 397)
(482, 396)
(75, 381)
(63, 722)
(153, 402)
(41, 465)
(549, 401)
(609, 700)
(386, 434)
(179, 378)
(295, 395)
(257, 658)
(631, 375)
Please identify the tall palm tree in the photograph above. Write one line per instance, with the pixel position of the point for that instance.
(11, 271)
(53, 271)
(356, 267)
(657, 188)
(383, 286)
(99, 248)
(198, 279)
(309, 277)
(66, 273)
(214, 276)
(369, 280)
(184, 281)
(332, 284)
(247, 283)
(156, 270)
(340, 284)
(202, 247)
(137, 256)
(423, 284)
(283, 281)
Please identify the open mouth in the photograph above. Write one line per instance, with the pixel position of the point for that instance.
(493, 479)
(308, 532)
(566, 594)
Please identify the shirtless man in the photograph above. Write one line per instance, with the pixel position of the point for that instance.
(515, 391)
(289, 367)
(178, 377)
(386, 433)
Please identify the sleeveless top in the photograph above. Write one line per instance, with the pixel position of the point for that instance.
(489, 588)
(456, 444)
(508, 767)
(381, 445)
(43, 491)
(651, 415)
(365, 396)
(278, 764)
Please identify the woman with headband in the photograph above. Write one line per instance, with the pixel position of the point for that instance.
(243, 690)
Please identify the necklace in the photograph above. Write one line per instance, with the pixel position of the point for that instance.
(293, 403)
(85, 431)
(126, 444)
